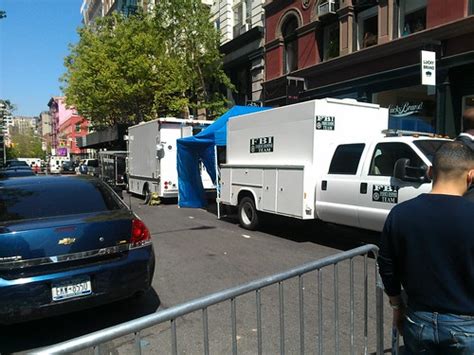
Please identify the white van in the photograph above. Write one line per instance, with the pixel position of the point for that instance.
(55, 163)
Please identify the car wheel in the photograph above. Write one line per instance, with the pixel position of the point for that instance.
(147, 193)
(248, 215)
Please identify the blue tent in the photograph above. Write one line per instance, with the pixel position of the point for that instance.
(201, 147)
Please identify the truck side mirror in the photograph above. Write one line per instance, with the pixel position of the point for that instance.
(403, 171)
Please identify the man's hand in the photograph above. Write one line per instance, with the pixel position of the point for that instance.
(398, 307)
(398, 319)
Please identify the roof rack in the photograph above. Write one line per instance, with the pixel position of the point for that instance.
(400, 133)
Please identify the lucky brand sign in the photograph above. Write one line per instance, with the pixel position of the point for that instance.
(428, 68)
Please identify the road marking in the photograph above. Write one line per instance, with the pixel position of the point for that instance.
(191, 217)
(246, 236)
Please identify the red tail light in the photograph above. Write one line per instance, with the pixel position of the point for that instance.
(140, 234)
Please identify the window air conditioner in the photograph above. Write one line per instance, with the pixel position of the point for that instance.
(327, 8)
(244, 28)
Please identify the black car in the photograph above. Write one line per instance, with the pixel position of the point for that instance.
(68, 167)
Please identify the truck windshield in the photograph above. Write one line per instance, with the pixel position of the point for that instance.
(429, 147)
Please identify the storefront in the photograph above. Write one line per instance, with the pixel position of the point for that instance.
(411, 108)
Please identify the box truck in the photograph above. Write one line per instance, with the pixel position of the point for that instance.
(152, 156)
(112, 167)
(326, 159)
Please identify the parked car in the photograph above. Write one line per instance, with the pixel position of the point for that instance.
(89, 166)
(16, 172)
(66, 244)
(19, 167)
(68, 167)
(15, 163)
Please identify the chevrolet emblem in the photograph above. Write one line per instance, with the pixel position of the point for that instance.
(66, 241)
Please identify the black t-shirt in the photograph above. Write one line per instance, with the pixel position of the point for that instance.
(427, 246)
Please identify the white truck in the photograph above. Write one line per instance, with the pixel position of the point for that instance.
(324, 159)
(152, 156)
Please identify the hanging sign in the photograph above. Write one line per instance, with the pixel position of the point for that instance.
(428, 68)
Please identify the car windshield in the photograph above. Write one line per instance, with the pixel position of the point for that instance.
(429, 147)
(17, 163)
(32, 201)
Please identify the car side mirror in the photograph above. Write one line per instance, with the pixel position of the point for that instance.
(403, 171)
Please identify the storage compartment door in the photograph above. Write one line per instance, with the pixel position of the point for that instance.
(269, 190)
(290, 192)
(226, 176)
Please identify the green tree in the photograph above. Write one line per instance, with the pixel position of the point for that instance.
(25, 146)
(129, 69)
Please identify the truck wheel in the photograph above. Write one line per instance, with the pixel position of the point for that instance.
(248, 215)
(147, 193)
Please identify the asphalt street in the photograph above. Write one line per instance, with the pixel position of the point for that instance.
(197, 254)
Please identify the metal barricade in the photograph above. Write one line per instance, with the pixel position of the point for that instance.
(97, 339)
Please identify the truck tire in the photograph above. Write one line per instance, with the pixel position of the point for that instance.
(248, 215)
(147, 193)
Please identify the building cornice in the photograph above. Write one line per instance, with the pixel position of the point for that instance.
(310, 27)
(251, 35)
(277, 42)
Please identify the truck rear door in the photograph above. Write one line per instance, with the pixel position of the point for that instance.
(338, 192)
(379, 190)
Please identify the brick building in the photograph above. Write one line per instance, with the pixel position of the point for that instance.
(370, 51)
(74, 127)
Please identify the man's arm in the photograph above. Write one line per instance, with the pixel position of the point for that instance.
(387, 260)
(388, 272)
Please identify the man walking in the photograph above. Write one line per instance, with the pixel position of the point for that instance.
(427, 246)
(467, 137)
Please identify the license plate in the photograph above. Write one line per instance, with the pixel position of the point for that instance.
(71, 288)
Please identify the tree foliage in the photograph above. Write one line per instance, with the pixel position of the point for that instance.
(129, 69)
(25, 146)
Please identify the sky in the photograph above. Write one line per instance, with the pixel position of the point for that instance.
(34, 39)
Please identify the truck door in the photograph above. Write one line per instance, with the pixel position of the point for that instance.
(338, 192)
(379, 190)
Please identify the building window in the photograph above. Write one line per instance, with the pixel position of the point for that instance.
(242, 17)
(410, 108)
(367, 22)
(331, 41)
(290, 57)
(412, 16)
(471, 7)
(78, 128)
(242, 80)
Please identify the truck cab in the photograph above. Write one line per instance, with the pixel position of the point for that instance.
(365, 179)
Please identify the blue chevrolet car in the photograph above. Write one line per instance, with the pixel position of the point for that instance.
(68, 243)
